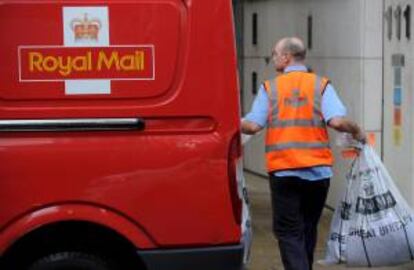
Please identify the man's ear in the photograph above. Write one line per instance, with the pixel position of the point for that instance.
(287, 58)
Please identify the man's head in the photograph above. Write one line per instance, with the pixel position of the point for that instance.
(288, 51)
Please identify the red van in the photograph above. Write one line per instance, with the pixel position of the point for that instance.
(119, 136)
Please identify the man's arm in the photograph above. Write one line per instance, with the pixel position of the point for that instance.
(343, 124)
(256, 119)
(334, 112)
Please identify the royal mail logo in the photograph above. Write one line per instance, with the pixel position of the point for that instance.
(86, 61)
(58, 63)
(84, 28)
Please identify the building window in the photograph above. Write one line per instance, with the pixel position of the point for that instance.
(398, 21)
(254, 29)
(407, 17)
(254, 83)
(388, 18)
(310, 32)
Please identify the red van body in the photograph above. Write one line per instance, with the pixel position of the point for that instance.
(119, 135)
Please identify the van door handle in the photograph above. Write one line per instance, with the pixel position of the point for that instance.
(80, 124)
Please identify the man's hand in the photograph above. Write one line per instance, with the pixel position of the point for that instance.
(248, 127)
(360, 137)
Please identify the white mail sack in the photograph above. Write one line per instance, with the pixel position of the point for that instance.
(372, 225)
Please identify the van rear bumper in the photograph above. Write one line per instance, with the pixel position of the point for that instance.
(217, 258)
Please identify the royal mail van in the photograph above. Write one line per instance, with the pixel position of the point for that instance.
(119, 136)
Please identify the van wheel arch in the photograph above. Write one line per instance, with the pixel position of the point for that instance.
(71, 237)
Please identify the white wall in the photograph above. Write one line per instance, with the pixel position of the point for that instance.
(399, 154)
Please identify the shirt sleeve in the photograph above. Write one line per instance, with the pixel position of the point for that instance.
(259, 111)
(332, 105)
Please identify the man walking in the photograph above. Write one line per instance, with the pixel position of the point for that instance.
(296, 107)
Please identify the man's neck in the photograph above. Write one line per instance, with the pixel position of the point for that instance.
(296, 63)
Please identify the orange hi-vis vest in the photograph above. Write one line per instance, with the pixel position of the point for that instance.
(296, 131)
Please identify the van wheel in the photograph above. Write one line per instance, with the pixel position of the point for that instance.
(71, 261)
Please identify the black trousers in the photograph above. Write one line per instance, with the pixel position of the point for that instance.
(297, 207)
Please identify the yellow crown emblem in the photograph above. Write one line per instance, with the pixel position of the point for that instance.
(85, 28)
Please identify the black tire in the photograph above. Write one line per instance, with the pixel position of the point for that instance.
(71, 261)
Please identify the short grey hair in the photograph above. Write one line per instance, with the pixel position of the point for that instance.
(295, 47)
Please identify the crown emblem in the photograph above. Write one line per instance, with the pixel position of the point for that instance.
(85, 28)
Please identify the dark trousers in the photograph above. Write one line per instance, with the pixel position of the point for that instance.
(297, 206)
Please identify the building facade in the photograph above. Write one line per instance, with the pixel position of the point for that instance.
(365, 47)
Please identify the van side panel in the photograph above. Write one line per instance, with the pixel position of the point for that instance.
(170, 178)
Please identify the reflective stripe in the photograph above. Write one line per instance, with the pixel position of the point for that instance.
(274, 99)
(296, 145)
(317, 94)
(298, 123)
(317, 107)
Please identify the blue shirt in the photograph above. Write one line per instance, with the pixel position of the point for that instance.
(332, 106)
